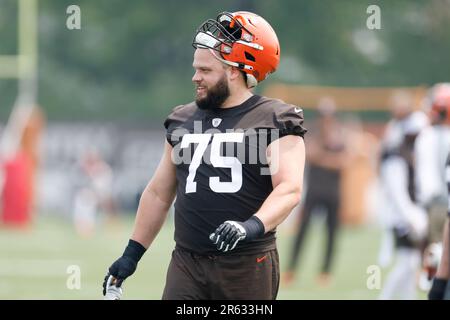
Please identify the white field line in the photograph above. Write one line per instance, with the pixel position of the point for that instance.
(49, 268)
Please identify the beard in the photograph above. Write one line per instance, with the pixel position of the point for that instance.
(215, 96)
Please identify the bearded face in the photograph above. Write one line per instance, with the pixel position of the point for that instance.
(212, 97)
(210, 80)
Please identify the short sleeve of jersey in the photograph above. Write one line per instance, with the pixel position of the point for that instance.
(274, 118)
(288, 119)
(175, 119)
(170, 124)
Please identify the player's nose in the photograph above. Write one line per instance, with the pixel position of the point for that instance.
(196, 77)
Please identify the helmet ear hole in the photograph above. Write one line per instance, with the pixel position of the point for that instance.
(249, 56)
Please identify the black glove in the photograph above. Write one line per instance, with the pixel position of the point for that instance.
(437, 289)
(125, 266)
(229, 233)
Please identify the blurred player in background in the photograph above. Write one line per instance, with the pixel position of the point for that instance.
(406, 219)
(95, 195)
(227, 207)
(401, 108)
(432, 154)
(327, 156)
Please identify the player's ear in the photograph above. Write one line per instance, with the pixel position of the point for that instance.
(233, 73)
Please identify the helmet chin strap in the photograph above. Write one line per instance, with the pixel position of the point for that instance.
(250, 79)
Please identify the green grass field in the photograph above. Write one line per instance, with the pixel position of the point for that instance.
(34, 263)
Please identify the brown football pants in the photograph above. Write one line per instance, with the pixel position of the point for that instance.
(238, 277)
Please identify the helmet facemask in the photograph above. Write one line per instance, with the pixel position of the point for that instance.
(219, 34)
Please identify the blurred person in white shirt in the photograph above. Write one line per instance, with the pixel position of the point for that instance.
(96, 194)
(407, 221)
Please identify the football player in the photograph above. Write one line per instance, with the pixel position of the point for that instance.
(401, 108)
(407, 219)
(234, 161)
(432, 153)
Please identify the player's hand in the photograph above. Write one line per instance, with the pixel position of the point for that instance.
(418, 221)
(121, 269)
(113, 290)
(126, 265)
(227, 235)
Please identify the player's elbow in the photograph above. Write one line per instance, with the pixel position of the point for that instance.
(152, 195)
(295, 194)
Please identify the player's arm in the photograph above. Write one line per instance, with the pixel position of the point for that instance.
(155, 201)
(394, 173)
(427, 174)
(286, 157)
(153, 207)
